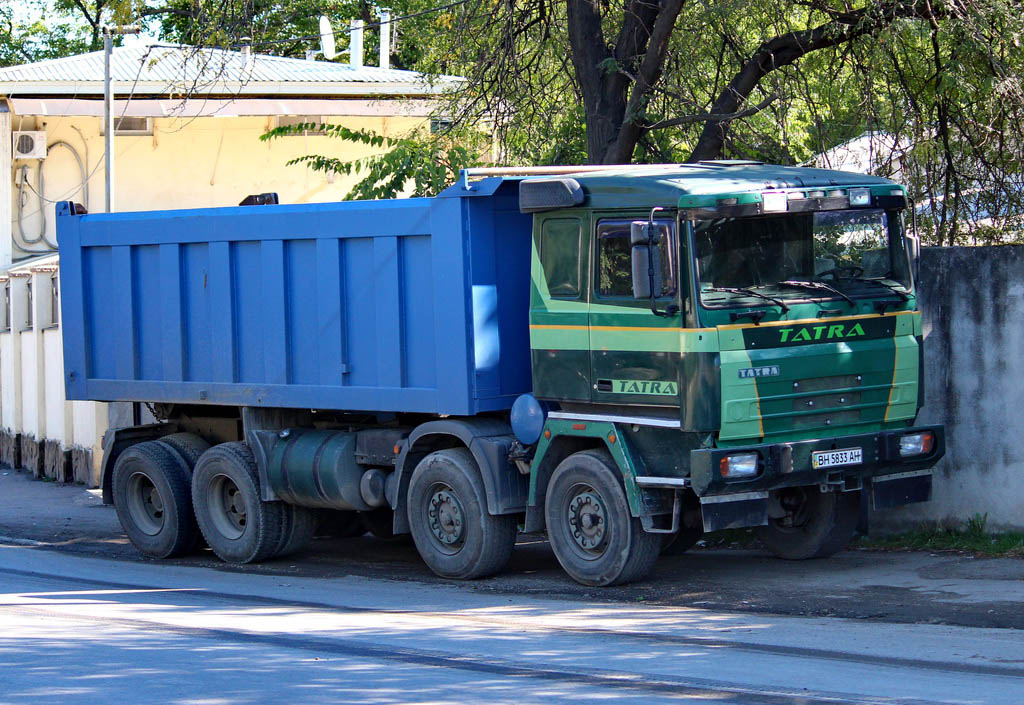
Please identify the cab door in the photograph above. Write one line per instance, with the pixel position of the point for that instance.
(634, 353)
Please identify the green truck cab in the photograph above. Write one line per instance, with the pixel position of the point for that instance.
(714, 346)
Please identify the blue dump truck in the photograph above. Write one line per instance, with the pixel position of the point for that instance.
(620, 357)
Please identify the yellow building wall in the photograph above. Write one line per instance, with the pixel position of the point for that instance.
(185, 163)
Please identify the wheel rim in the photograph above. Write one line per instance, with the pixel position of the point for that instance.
(145, 504)
(586, 522)
(227, 507)
(446, 518)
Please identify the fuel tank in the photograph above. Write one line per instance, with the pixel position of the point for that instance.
(317, 468)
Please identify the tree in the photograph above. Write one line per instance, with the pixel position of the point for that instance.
(678, 80)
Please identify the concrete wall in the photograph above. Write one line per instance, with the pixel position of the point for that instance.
(972, 300)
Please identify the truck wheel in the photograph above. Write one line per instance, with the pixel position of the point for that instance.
(188, 445)
(151, 496)
(237, 524)
(589, 525)
(451, 528)
(297, 528)
(814, 524)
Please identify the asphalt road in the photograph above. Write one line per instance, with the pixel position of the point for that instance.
(83, 630)
(911, 588)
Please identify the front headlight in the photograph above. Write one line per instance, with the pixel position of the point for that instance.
(739, 465)
(917, 444)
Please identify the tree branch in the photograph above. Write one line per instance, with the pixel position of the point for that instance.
(719, 117)
(649, 74)
(785, 49)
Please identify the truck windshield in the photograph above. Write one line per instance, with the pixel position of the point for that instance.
(846, 254)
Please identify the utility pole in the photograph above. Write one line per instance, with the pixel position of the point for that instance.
(108, 108)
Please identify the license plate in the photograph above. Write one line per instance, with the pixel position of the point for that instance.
(836, 458)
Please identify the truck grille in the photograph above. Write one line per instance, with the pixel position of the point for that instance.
(821, 402)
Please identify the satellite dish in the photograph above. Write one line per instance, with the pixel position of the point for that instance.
(327, 38)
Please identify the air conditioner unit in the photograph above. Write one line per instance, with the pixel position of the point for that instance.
(29, 145)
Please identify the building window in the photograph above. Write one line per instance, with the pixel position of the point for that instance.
(314, 123)
(129, 126)
(440, 125)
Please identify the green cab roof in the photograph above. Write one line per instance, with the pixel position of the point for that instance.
(661, 186)
(685, 185)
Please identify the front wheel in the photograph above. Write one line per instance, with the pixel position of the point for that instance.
(448, 518)
(808, 523)
(589, 525)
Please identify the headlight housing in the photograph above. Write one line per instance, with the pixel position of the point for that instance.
(914, 444)
(739, 466)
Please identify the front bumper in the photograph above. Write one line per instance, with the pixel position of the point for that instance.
(789, 464)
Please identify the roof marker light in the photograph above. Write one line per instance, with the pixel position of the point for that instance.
(774, 201)
(860, 197)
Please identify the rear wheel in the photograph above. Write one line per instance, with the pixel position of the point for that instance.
(152, 499)
(589, 525)
(298, 526)
(448, 518)
(237, 524)
(808, 523)
(188, 445)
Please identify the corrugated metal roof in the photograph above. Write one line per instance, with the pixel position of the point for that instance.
(173, 70)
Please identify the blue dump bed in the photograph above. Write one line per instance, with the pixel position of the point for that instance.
(415, 305)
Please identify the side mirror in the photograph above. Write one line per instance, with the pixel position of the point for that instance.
(646, 259)
(914, 253)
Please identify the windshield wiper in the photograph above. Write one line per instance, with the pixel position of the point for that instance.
(817, 286)
(750, 292)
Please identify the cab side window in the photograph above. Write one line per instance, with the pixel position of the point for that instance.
(560, 256)
(614, 266)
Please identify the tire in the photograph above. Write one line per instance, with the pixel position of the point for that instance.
(236, 523)
(603, 545)
(188, 445)
(816, 524)
(451, 528)
(153, 502)
(297, 529)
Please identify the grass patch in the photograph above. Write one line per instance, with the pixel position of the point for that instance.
(971, 537)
